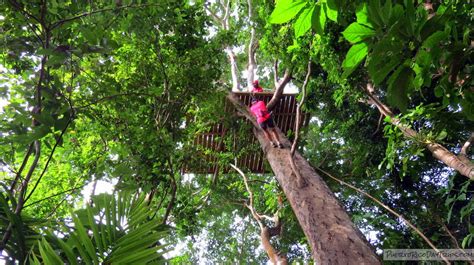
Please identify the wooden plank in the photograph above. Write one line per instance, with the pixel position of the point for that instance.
(291, 119)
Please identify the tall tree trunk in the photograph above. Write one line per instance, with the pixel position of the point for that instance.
(329, 230)
(252, 65)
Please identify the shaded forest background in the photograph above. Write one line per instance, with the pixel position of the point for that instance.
(117, 92)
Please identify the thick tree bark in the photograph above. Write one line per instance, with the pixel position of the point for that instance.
(330, 232)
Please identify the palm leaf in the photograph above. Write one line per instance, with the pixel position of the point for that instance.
(95, 240)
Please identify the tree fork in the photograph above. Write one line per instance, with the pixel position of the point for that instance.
(330, 232)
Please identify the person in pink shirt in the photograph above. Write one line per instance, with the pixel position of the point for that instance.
(265, 120)
(256, 87)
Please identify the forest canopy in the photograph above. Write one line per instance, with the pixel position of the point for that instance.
(114, 95)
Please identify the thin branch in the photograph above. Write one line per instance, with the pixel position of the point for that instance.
(279, 89)
(255, 215)
(55, 195)
(251, 49)
(20, 202)
(159, 55)
(275, 72)
(173, 192)
(49, 159)
(298, 111)
(112, 97)
(467, 144)
(388, 209)
(214, 15)
(165, 193)
(378, 125)
(20, 8)
(23, 164)
(226, 15)
(62, 21)
(266, 233)
(59, 204)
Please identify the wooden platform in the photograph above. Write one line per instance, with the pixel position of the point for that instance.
(284, 115)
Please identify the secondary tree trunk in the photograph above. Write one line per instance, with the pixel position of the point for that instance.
(330, 232)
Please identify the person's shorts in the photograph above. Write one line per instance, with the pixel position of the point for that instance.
(267, 124)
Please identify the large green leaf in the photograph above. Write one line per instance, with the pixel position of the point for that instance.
(84, 238)
(137, 243)
(357, 32)
(398, 87)
(362, 15)
(331, 9)
(303, 23)
(386, 12)
(319, 20)
(48, 254)
(285, 10)
(385, 56)
(354, 57)
(374, 10)
(434, 39)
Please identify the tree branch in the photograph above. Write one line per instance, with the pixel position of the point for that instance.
(218, 19)
(465, 168)
(418, 231)
(52, 196)
(251, 49)
(378, 125)
(20, 8)
(173, 192)
(265, 232)
(62, 21)
(20, 170)
(298, 111)
(49, 159)
(275, 73)
(111, 97)
(467, 144)
(250, 206)
(279, 89)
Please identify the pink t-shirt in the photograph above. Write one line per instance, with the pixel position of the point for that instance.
(258, 89)
(259, 109)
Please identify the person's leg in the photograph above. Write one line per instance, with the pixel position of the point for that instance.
(269, 137)
(276, 137)
(271, 126)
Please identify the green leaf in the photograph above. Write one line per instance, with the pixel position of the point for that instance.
(397, 13)
(467, 241)
(285, 10)
(434, 39)
(398, 87)
(84, 238)
(303, 23)
(357, 32)
(331, 10)
(374, 10)
(378, 70)
(384, 57)
(48, 254)
(95, 230)
(363, 15)
(410, 14)
(386, 12)
(68, 251)
(354, 57)
(319, 20)
(441, 135)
